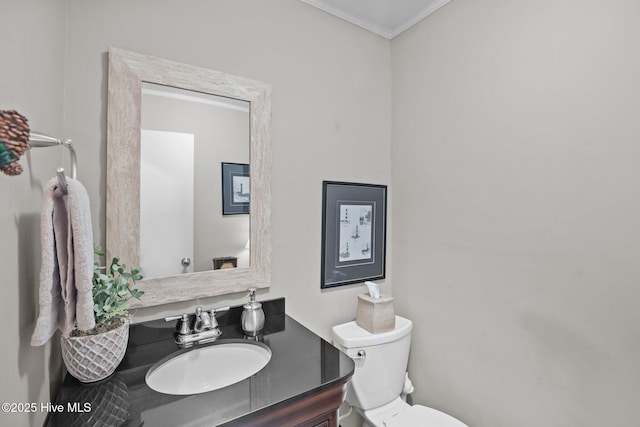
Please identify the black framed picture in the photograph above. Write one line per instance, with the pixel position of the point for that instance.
(235, 188)
(354, 233)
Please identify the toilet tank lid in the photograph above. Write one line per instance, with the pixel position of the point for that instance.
(350, 335)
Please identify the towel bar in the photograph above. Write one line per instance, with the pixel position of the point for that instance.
(37, 139)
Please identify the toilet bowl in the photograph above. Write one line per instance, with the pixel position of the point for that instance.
(380, 377)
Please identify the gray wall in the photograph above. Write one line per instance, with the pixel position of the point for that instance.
(31, 81)
(516, 206)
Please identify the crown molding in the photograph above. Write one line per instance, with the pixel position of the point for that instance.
(376, 28)
(419, 17)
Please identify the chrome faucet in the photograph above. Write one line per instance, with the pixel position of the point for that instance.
(205, 327)
(203, 320)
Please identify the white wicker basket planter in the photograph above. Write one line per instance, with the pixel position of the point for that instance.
(94, 357)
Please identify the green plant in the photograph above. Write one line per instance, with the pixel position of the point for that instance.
(112, 290)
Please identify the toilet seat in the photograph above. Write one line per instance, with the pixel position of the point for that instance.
(422, 416)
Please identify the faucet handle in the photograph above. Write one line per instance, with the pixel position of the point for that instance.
(212, 315)
(218, 310)
(184, 328)
(183, 321)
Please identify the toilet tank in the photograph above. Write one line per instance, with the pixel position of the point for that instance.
(380, 370)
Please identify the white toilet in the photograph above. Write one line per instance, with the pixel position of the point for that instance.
(380, 381)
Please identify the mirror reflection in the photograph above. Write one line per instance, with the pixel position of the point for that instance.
(194, 147)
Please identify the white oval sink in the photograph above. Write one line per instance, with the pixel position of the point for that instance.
(203, 369)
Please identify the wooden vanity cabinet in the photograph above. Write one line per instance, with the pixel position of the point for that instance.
(316, 410)
(326, 420)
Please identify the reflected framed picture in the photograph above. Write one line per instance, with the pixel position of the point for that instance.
(235, 188)
(225, 262)
(354, 233)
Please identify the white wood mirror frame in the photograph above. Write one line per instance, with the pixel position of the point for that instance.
(127, 71)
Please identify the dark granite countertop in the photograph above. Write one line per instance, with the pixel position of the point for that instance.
(302, 364)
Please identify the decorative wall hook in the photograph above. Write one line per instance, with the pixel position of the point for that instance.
(14, 141)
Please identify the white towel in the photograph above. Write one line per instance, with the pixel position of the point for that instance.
(66, 271)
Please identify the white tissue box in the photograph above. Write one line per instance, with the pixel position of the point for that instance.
(375, 315)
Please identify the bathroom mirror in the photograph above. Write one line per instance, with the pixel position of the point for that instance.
(133, 78)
